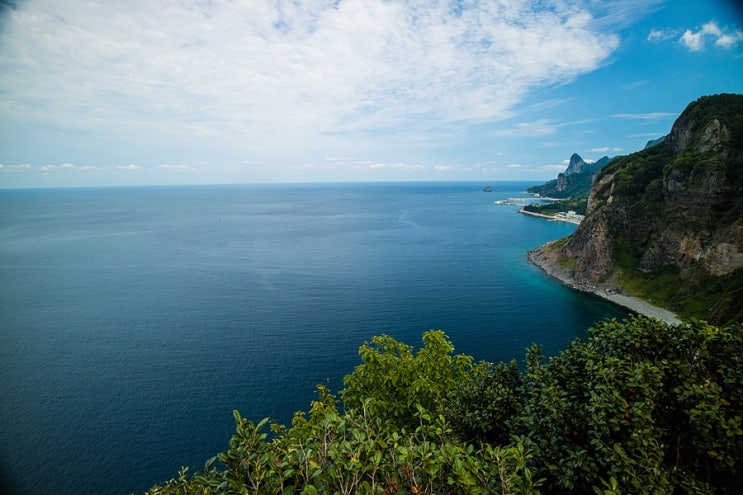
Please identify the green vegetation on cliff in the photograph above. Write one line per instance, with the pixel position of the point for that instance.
(666, 223)
(639, 407)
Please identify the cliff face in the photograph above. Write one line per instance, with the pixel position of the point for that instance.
(575, 166)
(574, 182)
(668, 220)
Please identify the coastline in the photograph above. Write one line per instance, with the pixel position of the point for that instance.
(547, 263)
(550, 217)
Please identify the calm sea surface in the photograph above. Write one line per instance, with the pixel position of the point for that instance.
(134, 320)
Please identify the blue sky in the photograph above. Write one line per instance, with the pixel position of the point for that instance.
(218, 91)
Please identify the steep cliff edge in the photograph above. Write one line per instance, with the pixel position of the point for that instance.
(666, 223)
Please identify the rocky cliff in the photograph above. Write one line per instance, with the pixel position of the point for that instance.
(666, 223)
(574, 182)
(575, 166)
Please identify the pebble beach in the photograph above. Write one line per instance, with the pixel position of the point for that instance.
(543, 260)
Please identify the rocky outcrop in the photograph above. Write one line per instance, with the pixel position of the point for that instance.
(575, 165)
(671, 212)
(575, 181)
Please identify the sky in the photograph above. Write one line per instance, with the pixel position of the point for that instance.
(145, 92)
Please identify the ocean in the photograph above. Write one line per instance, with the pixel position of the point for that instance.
(134, 320)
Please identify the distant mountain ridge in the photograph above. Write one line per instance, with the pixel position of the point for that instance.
(653, 142)
(574, 182)
(666, 223)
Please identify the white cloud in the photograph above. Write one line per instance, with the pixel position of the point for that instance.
(622, 13)
(729, 40)
(395, 166)
(605, 149)
(555, 102)
(541, 127)
(635, 84)
(351, 164)
(54, 168)
(725, 38)
(266, 75)
(693, 41)
(711, 28)
(644, 116)
(659, 35)
(175, 167)
(23, 167)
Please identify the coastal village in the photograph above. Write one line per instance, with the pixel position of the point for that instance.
(563, 216)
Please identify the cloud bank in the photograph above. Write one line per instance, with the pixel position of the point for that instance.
(262, 75)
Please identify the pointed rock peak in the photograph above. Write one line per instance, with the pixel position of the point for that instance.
(576, 164)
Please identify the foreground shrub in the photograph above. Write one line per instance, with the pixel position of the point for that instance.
(643, 404)
(639, 407)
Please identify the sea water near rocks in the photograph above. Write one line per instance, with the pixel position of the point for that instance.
(134, 320)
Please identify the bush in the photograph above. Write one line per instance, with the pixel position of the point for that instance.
(640, 403)
(639, 407)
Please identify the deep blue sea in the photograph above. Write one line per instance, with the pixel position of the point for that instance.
(134, 320)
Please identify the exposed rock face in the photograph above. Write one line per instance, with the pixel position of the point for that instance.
(712, 137)
(576, 165)
(592, 246)
(575, 181)
(677, 205)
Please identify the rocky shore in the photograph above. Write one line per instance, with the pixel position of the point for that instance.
(547, 261)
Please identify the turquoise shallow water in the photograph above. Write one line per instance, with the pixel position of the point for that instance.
(135, 319)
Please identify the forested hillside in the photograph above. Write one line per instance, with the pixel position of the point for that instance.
(639, 407)
(666, 223)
